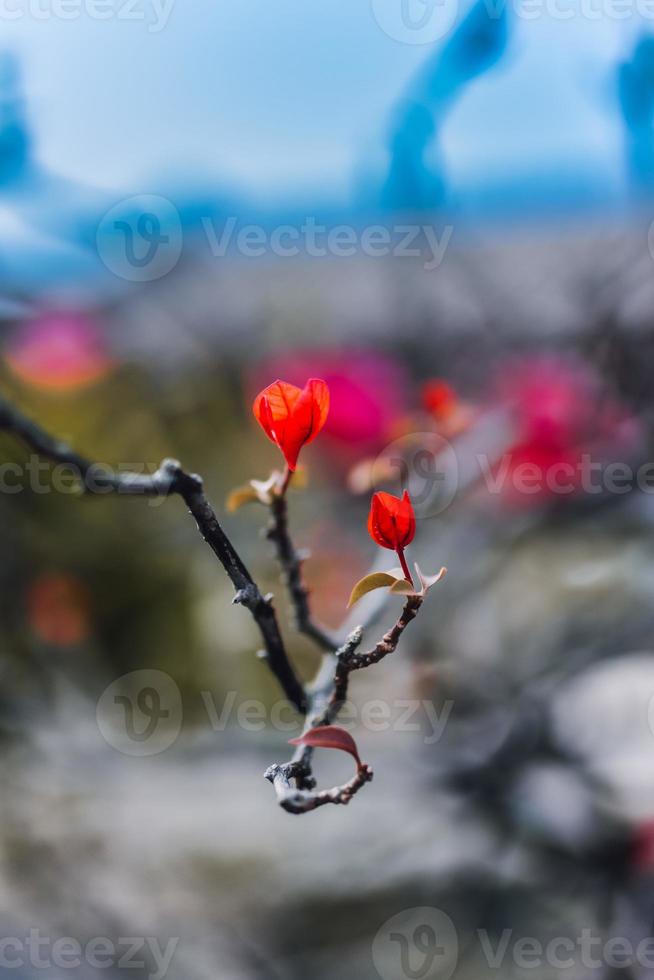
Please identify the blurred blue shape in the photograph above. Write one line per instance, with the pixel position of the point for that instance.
(476, 45)
(636, 92)
(15, 141)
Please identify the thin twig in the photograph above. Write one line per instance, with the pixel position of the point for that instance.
(170, 479)
(300, 801)
(350, 660)
(290, 562)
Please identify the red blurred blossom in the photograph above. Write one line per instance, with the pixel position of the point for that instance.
(368, 396)
(59, 351)
(560, 415)
(392, 524)
(439, 398)
(452, 415)
(291, 417)
(58, 609)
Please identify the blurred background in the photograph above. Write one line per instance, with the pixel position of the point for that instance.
(445, 210)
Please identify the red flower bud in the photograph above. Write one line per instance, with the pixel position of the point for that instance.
(392, 524)
(291, 416)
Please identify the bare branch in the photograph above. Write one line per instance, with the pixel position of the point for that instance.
(322, 700)
(169, 479)
(290, 562)
(301, 801)
(349, 660)
(326, 697)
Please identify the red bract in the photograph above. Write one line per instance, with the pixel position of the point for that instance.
(392, 524)
(291, 416)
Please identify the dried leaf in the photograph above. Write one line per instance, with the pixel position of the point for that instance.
(376, 580)
(402, 587)
(329, 737)
(240, 496)
(427, 581)
(264, 488)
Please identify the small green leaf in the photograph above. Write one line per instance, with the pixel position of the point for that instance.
(402, 587)
(376, 580)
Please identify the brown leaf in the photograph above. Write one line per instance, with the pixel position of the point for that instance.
(240, 496)
(329, 737)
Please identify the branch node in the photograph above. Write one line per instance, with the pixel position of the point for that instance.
(353, 640)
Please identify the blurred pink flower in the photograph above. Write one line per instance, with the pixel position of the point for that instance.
(59, 351)
(560, 414)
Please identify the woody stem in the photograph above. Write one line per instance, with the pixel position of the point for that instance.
(405, 567)
(286, 479)
(290, 562)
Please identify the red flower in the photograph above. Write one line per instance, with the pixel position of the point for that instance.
(392, 524)
(292, 417)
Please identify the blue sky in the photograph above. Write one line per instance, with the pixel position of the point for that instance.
(291, 98)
